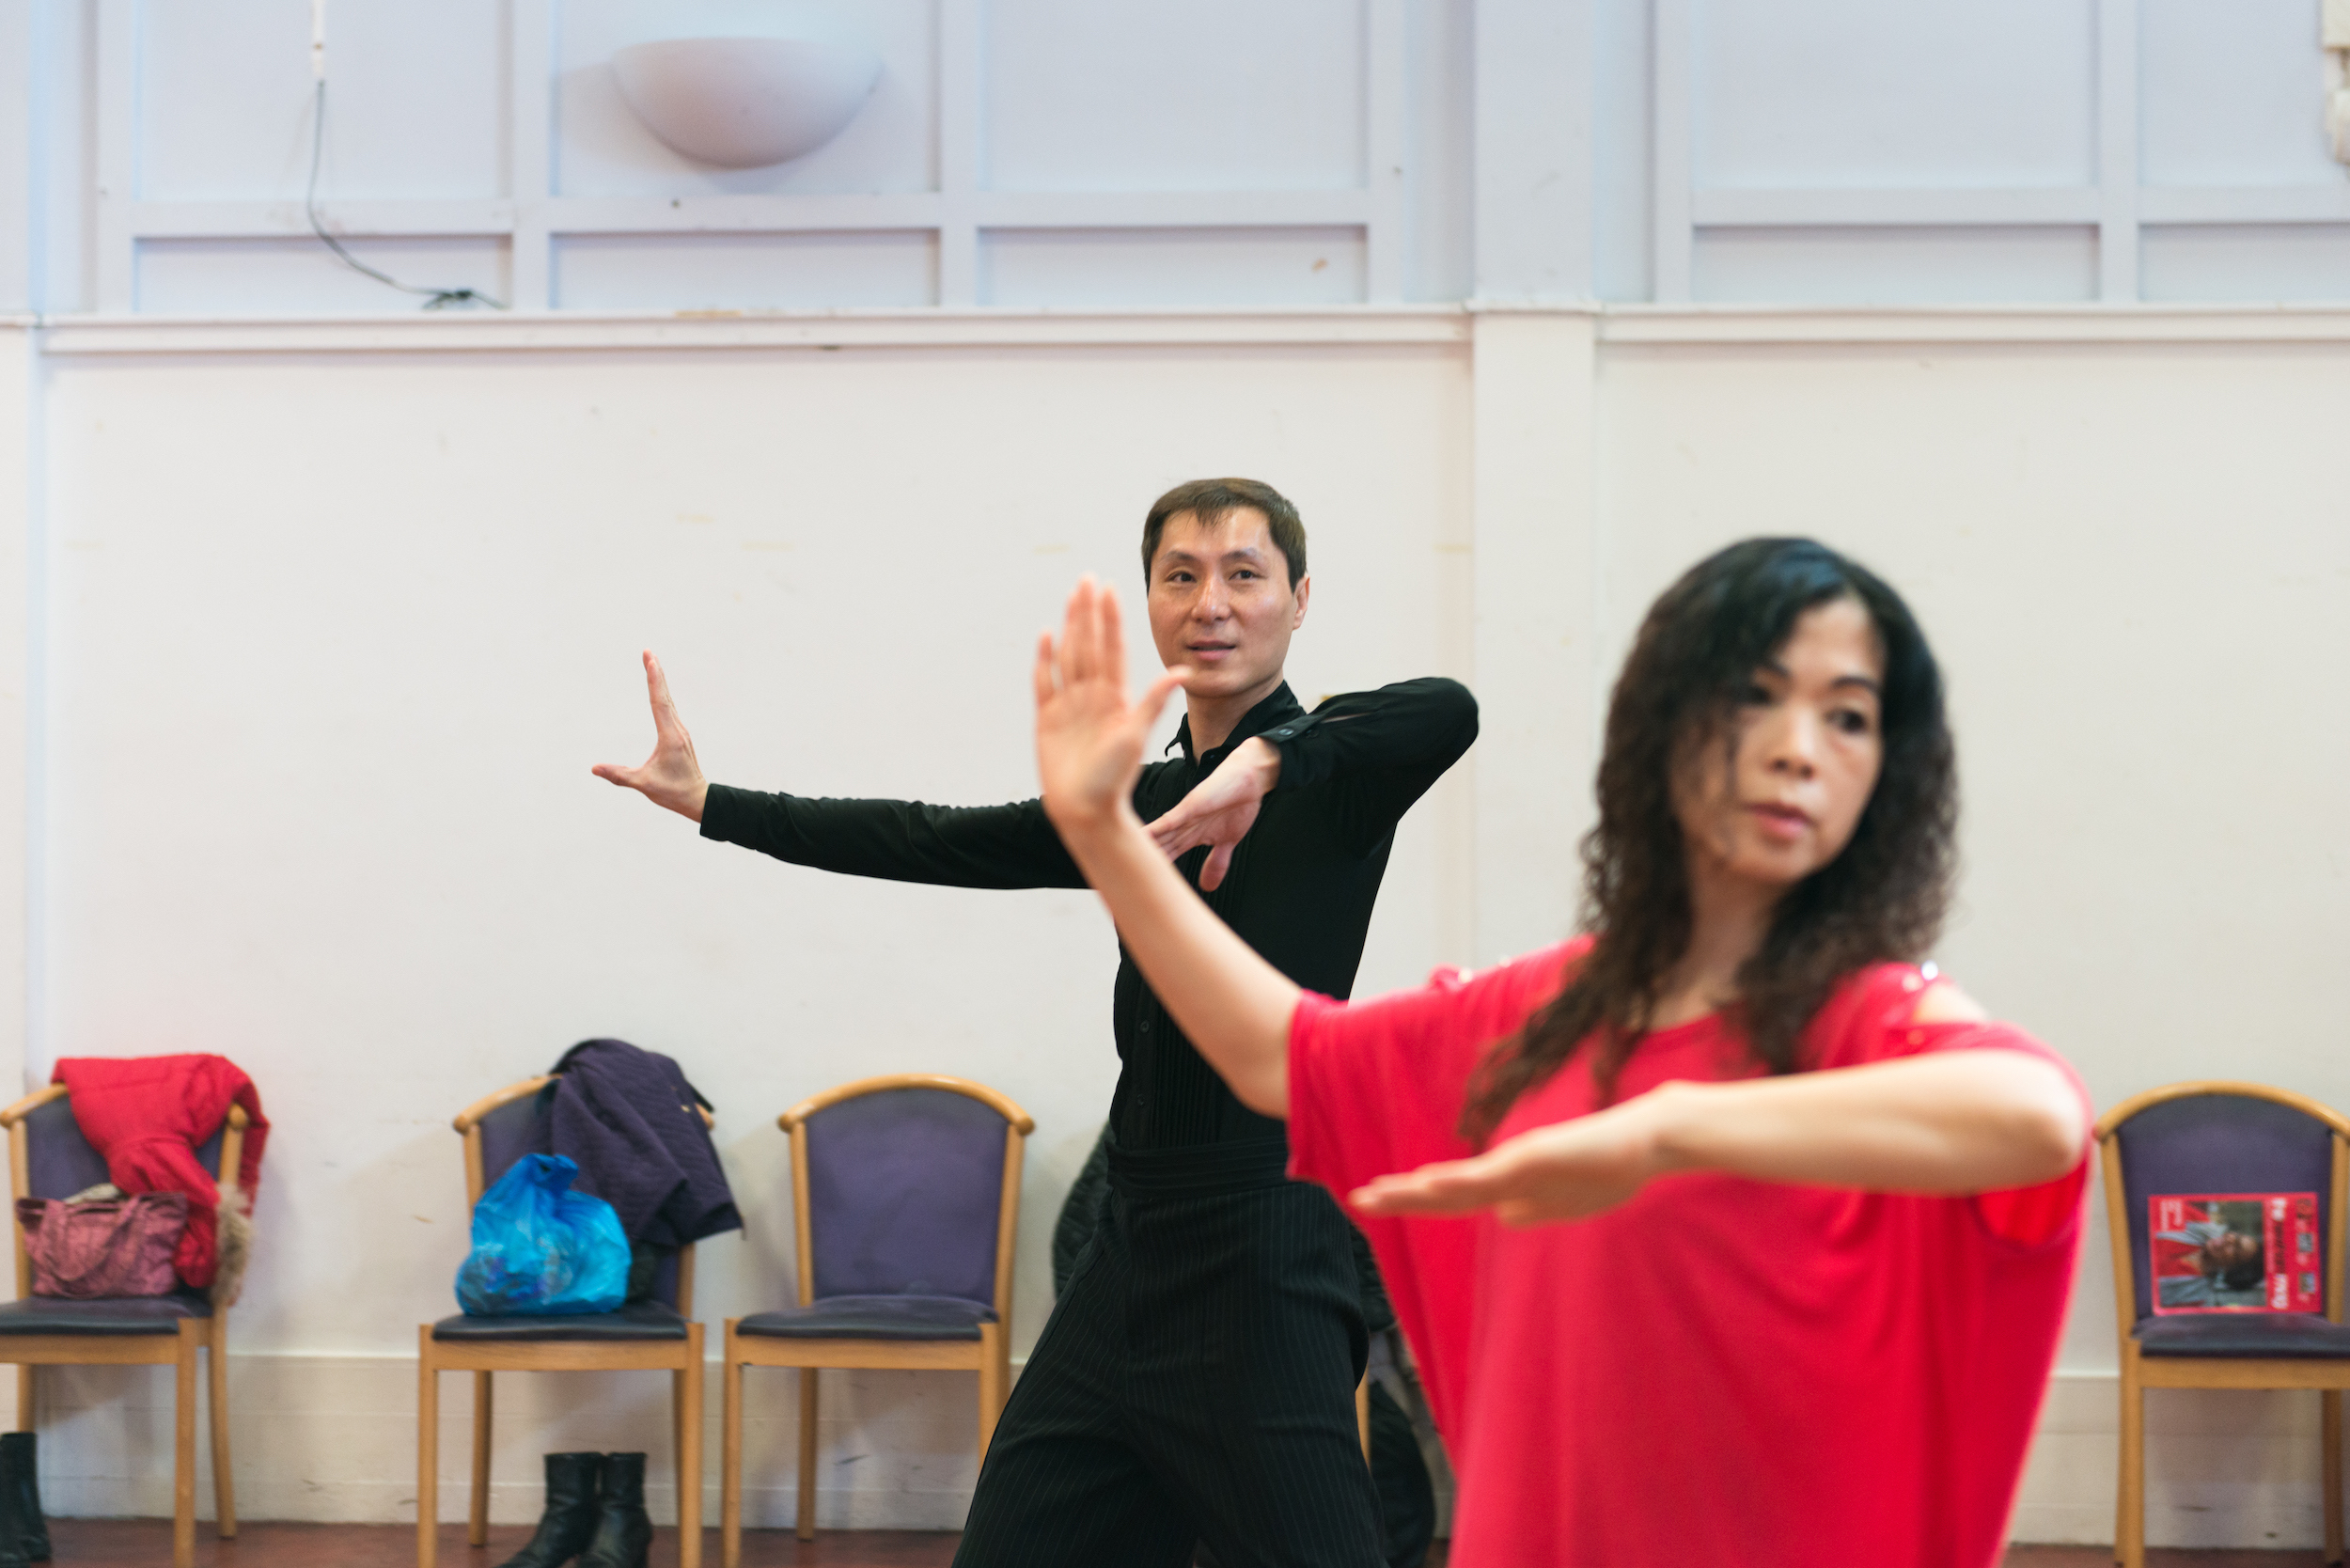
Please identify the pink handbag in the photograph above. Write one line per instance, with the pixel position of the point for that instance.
(112, 1247)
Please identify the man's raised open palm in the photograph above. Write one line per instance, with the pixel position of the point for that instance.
(671, 777)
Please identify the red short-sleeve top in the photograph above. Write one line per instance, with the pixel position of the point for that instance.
(1720, 1370)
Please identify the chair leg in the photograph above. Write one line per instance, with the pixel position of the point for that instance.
(808, 1453)
(729, 1454)
(677, 1436)
(183, 1446)
(24, 1412)
(689, 1461)
(224, 1463)
(2129, 1525)
(2330, 1422)
(994, 1382)
(478, 1510)
(427, 1450)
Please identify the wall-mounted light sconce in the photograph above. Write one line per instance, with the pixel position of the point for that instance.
(746, 103)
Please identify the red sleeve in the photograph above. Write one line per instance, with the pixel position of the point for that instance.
(1869, 1020)
(1378, 1086)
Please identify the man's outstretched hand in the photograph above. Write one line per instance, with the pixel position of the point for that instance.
(1088, 737)
(670, 777)
(1221, 808)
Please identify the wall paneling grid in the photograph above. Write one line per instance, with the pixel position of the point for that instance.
(958, 212)
(2116, 202)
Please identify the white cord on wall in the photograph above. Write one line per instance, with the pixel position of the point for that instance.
(434, 299)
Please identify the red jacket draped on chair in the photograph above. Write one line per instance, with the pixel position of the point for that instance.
(148, 1115)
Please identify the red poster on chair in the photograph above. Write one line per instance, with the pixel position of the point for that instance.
(2237, 1252)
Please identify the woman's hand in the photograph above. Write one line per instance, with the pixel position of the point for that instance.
(1567, 1171)
(671, 777)
(1088, 737)
(1221, 808)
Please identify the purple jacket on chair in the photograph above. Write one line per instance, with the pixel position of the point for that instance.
(630, 1120)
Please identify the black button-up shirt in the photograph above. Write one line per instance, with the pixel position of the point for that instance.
(1299, 891)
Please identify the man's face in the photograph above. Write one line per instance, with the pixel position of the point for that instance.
(1221, 602)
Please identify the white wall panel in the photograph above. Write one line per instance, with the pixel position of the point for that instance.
(301, 277)
(603, 148)
(65, 154)
(1623, 80)
(1895, 266)
(771, 271)
(1781, 106)
(414, 98)
(289, 583)
(1857, 92)
(2272, 262)
(1138, 95)
(19, 232)
(1440, 172)
(1171, 266)
(2234, 94)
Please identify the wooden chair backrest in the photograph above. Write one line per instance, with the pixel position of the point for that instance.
(1018, 1124)
(468, 1125)
(21, 1164)
(2117, 1203)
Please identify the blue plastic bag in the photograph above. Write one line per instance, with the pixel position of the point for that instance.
(539, 1248)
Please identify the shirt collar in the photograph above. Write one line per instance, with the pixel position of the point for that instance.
(1278, 705)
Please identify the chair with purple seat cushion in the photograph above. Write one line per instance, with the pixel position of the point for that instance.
(657, 1334)
(48, 1157)
(906, 1202)
(2214, 1137)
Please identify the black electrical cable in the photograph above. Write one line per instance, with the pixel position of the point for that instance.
(434, 298)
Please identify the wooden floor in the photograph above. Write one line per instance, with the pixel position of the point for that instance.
(148, 1543)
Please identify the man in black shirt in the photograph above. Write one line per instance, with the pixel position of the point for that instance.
(1196, 1382)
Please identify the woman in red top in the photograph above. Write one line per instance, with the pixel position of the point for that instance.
(1825, 1213)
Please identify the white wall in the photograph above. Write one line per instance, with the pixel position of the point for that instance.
(333, 635)
(334, 643)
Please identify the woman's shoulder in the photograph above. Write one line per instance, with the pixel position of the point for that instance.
(1527, 982)
(1481, 1003)
(1876, 1010)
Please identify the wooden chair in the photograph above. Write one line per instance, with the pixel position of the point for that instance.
(906, 1202)
(2221, 1137)
(655, 1335)
(48, 1157)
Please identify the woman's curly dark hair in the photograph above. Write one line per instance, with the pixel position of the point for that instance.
(1883, 899)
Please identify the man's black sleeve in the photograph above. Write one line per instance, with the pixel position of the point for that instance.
(902, 840)
(1379, 750)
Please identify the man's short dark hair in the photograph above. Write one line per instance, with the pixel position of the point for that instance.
(1211, 501)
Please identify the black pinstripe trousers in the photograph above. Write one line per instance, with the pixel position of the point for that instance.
(1195, 1382)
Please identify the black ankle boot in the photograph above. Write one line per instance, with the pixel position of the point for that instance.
(20, 1478)
(573, 1481)
(624, 1534)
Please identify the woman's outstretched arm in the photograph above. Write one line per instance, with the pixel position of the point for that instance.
(1959, 1121)
(1233, 1005)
